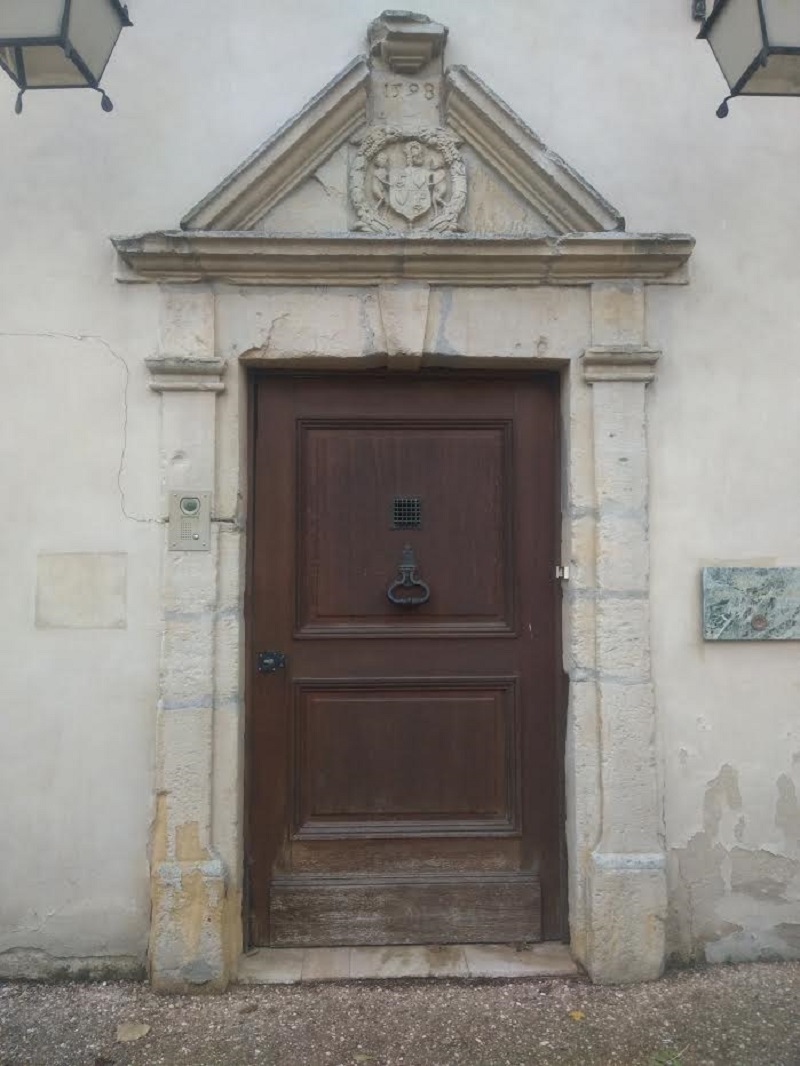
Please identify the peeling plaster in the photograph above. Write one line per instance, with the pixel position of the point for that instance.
(726, 897)
(787, 813)
(761, 874)
(722, 794)
(789, 932)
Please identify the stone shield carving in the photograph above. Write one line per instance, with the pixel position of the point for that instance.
(408, 181)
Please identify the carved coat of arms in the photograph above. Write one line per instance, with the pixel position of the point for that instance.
(400, 181)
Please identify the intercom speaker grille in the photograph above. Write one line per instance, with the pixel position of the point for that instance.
(407, 512)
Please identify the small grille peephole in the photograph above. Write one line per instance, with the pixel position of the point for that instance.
(407, 512)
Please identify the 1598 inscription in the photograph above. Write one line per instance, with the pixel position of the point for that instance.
(393, 90)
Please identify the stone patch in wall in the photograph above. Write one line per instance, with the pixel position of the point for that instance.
(751, 603)
(81, 590)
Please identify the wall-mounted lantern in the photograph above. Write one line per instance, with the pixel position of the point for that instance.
(59, 44)
(757, 45)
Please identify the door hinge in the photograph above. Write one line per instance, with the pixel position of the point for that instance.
(562, 573)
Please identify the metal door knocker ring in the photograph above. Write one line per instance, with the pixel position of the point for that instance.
(408, 579)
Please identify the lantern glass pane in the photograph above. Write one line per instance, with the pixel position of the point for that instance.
(735, 37)
(46, 67)
(779, 77)
(94, 26)
(783, 23)
(21, 19)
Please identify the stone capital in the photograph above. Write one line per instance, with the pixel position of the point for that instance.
(619, 363)
(185, 374)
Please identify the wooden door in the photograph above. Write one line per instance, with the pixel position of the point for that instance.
(404, 763)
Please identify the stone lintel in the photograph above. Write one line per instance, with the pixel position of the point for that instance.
(180, 374)
(619, 363)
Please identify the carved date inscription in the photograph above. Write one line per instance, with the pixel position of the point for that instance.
(393, 90)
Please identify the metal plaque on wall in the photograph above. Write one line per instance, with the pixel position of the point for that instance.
(751, 603)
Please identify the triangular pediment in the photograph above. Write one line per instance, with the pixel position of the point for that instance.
(386, 151)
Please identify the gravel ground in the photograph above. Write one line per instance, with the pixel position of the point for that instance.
(724, 1016)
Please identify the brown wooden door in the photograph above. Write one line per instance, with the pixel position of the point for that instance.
(404, 765)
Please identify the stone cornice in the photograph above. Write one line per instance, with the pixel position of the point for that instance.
(179, 374)
(356, 259)
(619, 363)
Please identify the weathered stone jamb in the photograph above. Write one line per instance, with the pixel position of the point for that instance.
(189, 884)
(624, 898)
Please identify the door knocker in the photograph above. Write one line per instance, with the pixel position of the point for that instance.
(408, 579)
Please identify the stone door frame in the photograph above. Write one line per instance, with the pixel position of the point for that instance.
(614, 828)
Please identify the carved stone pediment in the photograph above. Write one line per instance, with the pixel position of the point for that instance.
(395, 145)
(399, 170)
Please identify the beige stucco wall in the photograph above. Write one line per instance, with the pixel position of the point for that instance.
(625, 94)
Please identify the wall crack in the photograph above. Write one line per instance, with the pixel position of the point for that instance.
(81, 338)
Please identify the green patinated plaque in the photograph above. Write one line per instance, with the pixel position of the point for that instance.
(751, 603)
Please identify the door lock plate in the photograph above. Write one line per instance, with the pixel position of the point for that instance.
(269, 662)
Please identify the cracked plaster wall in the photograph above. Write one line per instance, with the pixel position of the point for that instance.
(77, 682)
(79, 429)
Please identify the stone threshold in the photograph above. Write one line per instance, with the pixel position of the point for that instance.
(289, 966)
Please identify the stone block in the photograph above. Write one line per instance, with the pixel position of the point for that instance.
(404, 314)
(227, 789)
(628, 907)
(184, 769)
(623, 638)
(189, 580)
(230, 568)
(280, 326)
(631, 807)
(187, 940)
(623, 553)
(580, 551)
(228, 653)
(82, 590)
(579, 636)
(187, 664)
(618, 313)
(231, 443)
(186, 322)
(584, 787)
(494, 323)
(620, 445)
(188, 440)
(579, 465)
